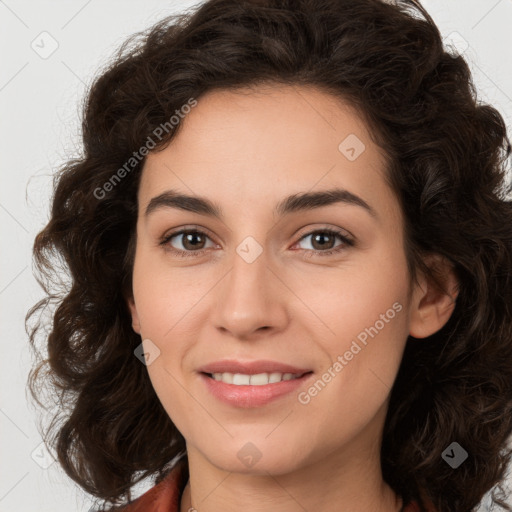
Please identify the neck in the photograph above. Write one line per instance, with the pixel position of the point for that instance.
(347, 481)
(346, 478)
(388, 502)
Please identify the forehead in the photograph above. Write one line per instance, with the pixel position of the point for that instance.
(246, 146)
(305, 120)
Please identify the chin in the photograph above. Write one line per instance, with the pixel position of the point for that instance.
(257, 458)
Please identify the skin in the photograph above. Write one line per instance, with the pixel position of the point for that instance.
(247, 150)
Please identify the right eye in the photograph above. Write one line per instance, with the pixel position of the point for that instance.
(189, 239)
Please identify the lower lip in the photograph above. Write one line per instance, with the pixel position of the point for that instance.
(251, 396)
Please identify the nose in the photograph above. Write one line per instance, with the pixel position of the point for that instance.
(252, 299)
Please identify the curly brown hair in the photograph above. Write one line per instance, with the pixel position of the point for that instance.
(448, 155)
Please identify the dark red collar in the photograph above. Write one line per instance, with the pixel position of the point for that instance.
(166, 495)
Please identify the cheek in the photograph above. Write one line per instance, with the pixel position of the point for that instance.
(164, 301)
(339, 303)
(360, 323)
(364, 355)
(164, 296)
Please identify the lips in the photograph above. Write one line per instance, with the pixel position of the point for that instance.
(249, 396)
(251, 367)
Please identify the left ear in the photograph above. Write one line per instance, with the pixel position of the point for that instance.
(433, 303)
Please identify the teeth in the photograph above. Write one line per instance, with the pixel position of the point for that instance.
(260, 379)
(240, 380)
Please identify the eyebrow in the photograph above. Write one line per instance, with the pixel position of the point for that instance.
(294, 203)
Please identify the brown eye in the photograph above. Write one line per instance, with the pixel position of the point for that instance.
(322, 241)
(192, 242)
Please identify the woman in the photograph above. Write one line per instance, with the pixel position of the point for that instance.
(290, 249)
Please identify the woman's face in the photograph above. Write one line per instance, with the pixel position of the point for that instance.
(257, 283)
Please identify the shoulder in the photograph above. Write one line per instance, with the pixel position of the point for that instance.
(165, 496)
(413, 506)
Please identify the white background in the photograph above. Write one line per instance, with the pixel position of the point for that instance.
(40, 103)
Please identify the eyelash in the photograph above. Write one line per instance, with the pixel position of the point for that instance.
(347, 242)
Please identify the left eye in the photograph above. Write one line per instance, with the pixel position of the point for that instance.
(192, 241)
(319, 238)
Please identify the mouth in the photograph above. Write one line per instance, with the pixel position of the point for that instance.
(258, 379)
(253, 390)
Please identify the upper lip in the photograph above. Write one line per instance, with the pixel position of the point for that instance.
(251, 367)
